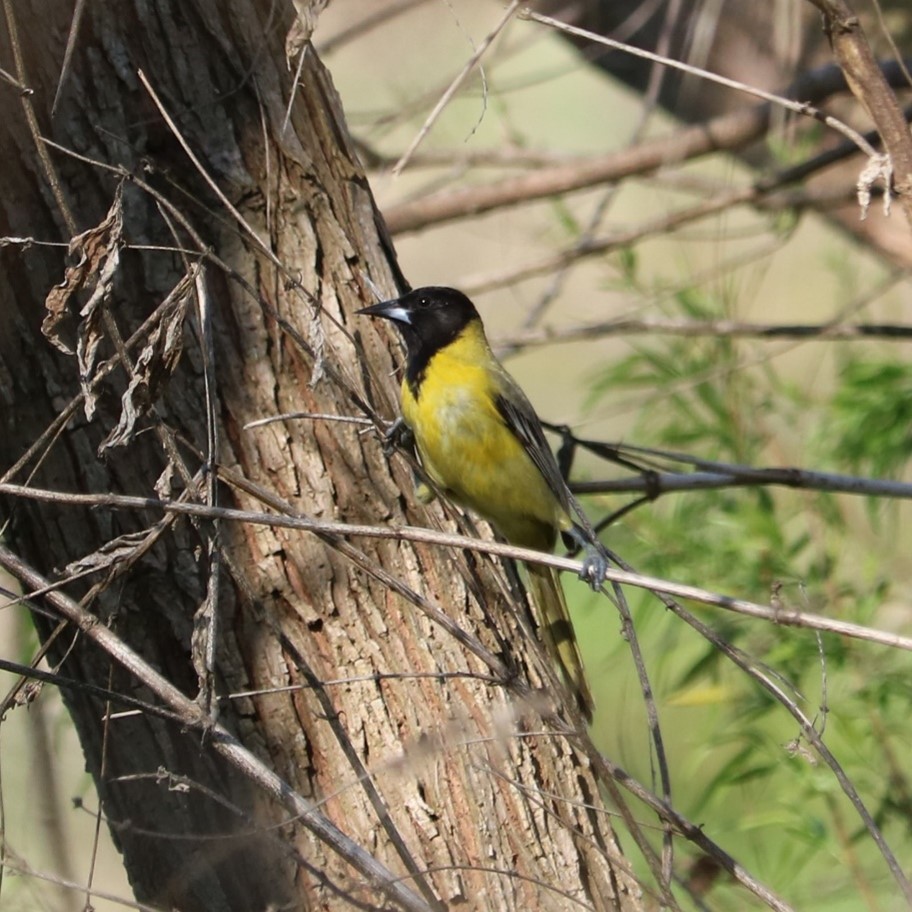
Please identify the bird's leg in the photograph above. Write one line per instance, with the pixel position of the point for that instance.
(595, 557)
(398, 436)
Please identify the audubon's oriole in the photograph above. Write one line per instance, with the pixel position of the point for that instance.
(481, 442)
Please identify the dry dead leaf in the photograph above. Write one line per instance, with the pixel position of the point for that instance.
(164, 485)
(97, 254)
(123, 548)
(157, 360)
(308, 11)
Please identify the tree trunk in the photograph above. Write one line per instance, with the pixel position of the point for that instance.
(253, 254)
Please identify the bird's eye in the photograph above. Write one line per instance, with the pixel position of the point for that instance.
(424, 302)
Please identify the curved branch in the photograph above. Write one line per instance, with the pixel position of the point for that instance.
(727, 132)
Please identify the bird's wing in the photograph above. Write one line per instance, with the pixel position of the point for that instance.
(520, 418)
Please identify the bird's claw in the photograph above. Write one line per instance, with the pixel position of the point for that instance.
(398, 436)
(595, 567)
(595, 558)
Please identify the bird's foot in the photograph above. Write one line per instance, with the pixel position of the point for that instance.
(595, 557)
(595, 566)
(398, 436)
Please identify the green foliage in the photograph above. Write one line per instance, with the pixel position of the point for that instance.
(870, 430)
(750, 771)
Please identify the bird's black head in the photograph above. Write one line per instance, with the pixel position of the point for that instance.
(428, 319)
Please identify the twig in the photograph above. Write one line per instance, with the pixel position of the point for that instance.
(609, 771)
(236, 215)
(294, 86)
(789, 618)
(628, 630)
(222, 741)
(31, 673)
(562, 728)
(764, 193)
(595, 246)
(364, 777)
(809, 732)
(310, 416)
(712, 474)
(45, 797)
(454, 86)
(732, 329)
(206, 618)
(726, 132)
(102, 775)
(28, 108)
(729, 131)
(22, 869)
(797, 107)
(72, 35)
(25, 90)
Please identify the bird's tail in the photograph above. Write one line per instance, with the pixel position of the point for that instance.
(557, 633)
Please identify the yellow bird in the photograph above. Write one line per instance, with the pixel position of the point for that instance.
(482, 444)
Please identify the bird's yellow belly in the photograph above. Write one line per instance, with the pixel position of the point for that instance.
(468, 450)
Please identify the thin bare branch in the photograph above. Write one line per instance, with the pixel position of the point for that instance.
(788, 618)
(204, 639)
(797, 107)
(310, 416)
(221, 740)
(454, 86)
(729, 131)
(24, 89)
(19, 867)
(72, 36)
(808, 731)
(595, 246)
(363, 776)
(710, 474)
(213, 184)
(726, 132)
(731, 329)
(28, 108)
(628, 631)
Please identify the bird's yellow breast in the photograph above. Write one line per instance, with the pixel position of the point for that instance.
(467, 447)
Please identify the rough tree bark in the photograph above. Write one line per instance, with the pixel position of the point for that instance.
(361, 700)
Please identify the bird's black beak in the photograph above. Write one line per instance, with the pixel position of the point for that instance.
(389, 310)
